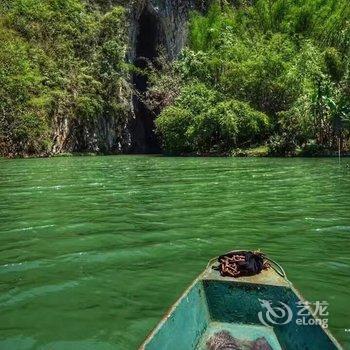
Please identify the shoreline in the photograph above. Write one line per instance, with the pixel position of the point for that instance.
(237, 153)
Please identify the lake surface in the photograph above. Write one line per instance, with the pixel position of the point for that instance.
(93, 250)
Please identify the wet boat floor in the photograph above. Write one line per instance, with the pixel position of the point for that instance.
(242, 334)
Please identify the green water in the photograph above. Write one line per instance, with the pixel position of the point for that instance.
(93, 250)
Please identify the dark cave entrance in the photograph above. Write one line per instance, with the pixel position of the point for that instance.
(147, 43)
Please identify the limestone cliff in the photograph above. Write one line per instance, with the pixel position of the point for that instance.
(153, 24)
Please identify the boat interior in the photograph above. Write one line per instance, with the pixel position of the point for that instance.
(223, 313)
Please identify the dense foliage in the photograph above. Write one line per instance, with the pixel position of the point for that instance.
(275, 73)
(203, 120)
(58, 59)
(267, 72)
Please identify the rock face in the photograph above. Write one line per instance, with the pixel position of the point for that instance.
(105, 135)
(170, 20)
(152, 24)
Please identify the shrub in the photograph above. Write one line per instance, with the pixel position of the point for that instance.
(281, 145)
(203, 121)
(252, 125)
(173, 125)
(197, 98)
(334, 64)
(215, 130)
(313, 149)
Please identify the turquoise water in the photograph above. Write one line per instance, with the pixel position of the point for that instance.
(93, 250)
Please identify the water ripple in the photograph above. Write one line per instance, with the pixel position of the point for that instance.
(101, 246)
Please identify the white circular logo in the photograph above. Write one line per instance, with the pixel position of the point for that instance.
(274, 314)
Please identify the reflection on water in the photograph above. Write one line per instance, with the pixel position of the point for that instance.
(93, 250)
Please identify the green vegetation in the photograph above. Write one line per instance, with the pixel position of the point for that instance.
(58, 59)
(275, 73)
(203, 120)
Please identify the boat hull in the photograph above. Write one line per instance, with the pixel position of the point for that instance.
(214, 306)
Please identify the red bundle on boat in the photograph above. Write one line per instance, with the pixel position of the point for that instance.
(242, 263)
